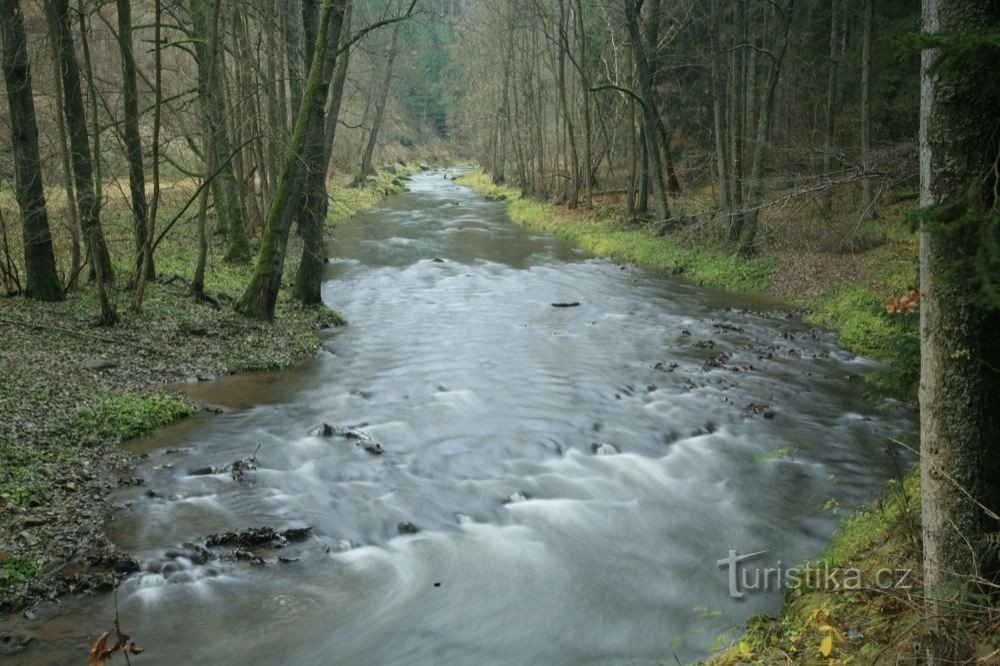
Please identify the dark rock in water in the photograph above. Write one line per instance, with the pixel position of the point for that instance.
(115, 560)
(665, 367)
(241, 555)
(252, 537)
(574, 304)
(238, 468)
(99, 364)
(407, 528)
(362, 439)
(603, 449)
(287, 560)
(258, 537)
(296, 533)
(438, 260)
(513, 498)
(12, 642)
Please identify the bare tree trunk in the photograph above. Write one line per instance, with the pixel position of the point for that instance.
(650, 127)
(73, 221)
(581, 36)
(133, 142)
(831, 102)
(380, 104)
(755, 188)
(145, 269)
(740, 95)
(39, 258)
(295, 53)
(867, 205)
(228, 211)
(83, 165)
(210, 134)
(959, 319)
(574, 158)
(337, 87)
(720, 115)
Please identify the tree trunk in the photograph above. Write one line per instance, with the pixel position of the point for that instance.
(581, 37)
(649, 124)
(259, 299)
(209, 133)
(72, 214)
(755, 188)
(295, 53)
(315, 204)
(567, 114)
(867, 205)
(145, 269)
(380, 103)
(960, 348)
(337, 87)
(133, 141)
(831, 103)
(738, 109)
(720, 115)
(39, 258)
(83, 165)
(228, 211)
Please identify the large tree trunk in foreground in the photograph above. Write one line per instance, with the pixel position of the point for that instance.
(312, 219)
(39, 259)
(258, 301)
(960, 346)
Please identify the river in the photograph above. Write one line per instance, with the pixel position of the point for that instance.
(574, 473)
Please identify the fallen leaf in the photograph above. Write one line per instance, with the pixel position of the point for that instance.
(99, 651)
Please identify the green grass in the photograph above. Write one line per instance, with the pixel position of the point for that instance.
(126, 415)
(602, 234)
(877, 541)
(19, 569)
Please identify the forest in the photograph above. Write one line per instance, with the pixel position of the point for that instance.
(763, 239)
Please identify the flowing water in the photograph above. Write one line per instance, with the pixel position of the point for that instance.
(532, 548)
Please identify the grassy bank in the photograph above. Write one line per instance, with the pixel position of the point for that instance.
(72, 391)
(846, 291)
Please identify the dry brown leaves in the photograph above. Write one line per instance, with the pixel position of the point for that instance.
(100, 652)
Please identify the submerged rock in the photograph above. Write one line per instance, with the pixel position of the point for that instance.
(407, 528)
(361, 439)
(603, 449)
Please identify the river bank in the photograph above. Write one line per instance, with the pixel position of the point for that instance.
(852, 293)
(72, 392)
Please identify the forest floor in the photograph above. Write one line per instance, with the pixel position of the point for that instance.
(839, 274)
(72, 392)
